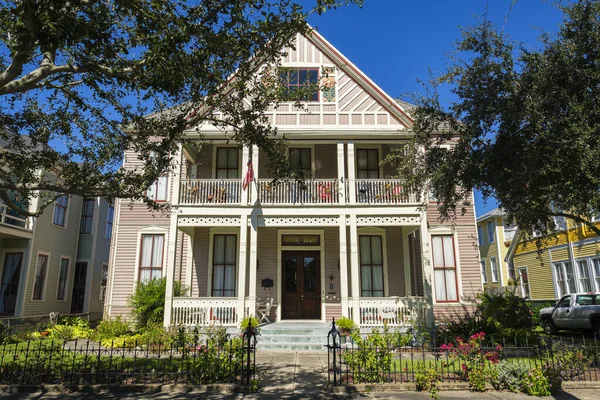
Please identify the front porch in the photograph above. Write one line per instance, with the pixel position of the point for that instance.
(309, 273)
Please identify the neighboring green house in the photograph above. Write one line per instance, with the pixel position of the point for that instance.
(495, 234)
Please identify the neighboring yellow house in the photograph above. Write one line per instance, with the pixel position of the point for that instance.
(568, 262)
(495, 234)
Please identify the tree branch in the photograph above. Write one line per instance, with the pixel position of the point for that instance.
(579, 219)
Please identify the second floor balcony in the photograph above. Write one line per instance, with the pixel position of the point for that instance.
(313, 192)
(16, 223)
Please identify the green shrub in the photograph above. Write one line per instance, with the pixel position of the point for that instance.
(128, 341)
(426, 380)
(148, 301)
(504, 316)
(534, 310)
(372, 356)
(535, 383)
(158, 335)
(255, 322)
(72, 320)
(4, 332)
(511, 374)
(345, 325)
(554, 377)
(111, 328)
(63, 332)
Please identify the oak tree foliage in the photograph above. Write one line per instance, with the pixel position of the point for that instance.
(524, 127)
(82, 81)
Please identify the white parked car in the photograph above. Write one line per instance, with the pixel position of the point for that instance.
(575, 311)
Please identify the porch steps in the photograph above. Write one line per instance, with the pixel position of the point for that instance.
(293, 336)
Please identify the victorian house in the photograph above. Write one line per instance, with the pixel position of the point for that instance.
(349, 240)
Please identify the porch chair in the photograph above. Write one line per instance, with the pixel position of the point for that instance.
(263, 310)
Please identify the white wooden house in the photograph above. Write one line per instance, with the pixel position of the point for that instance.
(351, 240)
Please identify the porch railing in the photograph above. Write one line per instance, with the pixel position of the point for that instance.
(210, 191)
(190, 311)
(10, 218)
(313, 191)
(392, 311)
(383, 191)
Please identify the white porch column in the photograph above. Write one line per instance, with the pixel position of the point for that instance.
(426, 261)
(351, 175)
(354, 269)
(245, 159)
(341, 162)
(241, 289)
(407, 264)
(254, 185)
(253, 255)
(172, 240)
(343, 266)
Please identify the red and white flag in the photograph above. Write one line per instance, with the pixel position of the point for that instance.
(249, 176)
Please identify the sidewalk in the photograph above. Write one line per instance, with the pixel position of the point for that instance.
(303, 375)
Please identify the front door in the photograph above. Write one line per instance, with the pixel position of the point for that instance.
(78, 294)
(9, 283)
(301, 285)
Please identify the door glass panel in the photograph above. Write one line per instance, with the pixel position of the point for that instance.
(309, 275)
(291, 283)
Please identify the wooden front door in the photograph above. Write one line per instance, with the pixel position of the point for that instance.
(301, 273)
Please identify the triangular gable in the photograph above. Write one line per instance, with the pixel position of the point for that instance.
(351, 101)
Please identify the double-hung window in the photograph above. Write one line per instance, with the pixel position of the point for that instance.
(62, 279)
(151, 257)
(480, 235)
(367, 164)
(371, 266)
(524, 277)
(159, 189)
(110, 215)
(494, 268)
(300, 162)
(301, 79)
(224, 265)
(87, 216)
(584, 276)
(444, 269)
(103, 282)
(483, 272)
(227, 163)
(565, 278)
(60, 211)
(490, 230)
(40, 277)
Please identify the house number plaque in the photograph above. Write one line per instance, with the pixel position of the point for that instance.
(301, 240)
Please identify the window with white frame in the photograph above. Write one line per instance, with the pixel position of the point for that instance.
(367, 163)
(62, 279)
(584, 276)
(103, 282)
(159, 189)
(511, 271)
(596, 262)
(40, 277)
(151, 257)
(110, 215)
(483, 272)
(480, 235)
(490, 231)
(560, 223)
(87, 216)
(444, 269)
(227, 163)
(224, 265)
(494, 269)
(371, 265)
(565, 278)
(60, 211)
(524, 279)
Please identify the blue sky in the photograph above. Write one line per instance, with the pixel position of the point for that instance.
(395, 42)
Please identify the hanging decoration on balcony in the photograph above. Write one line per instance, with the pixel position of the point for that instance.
(249, 176)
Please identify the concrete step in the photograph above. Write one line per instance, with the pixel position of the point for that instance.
(293, 336)
(290, 346)
(280, 338)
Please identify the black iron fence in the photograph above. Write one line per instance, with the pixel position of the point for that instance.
(384, 360)
(84, 362)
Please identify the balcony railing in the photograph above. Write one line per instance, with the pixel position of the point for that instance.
(199, 311)
(211, 191)
(10, 218)
(391, 311)
(307, 192)
(313, 191)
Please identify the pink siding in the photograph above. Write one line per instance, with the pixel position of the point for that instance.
(310, 119)
(328, 119)
(267, 263)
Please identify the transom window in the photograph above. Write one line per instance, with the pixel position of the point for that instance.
(224, 265)
(371, 266)
(60, 210)
(444, 269)
(367, 163)
(87, 216)
(151, 257)
(296, 79)
(227, 163)
(300, 162)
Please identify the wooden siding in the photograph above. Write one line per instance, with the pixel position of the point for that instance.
(266, 254)
(331, 265)
(561, 254)
(57, 242)
(395, 260)
(200, 272)
(586, 249)
(541, 281)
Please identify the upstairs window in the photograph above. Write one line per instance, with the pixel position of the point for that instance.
(300, 162)
(60, 211)
(480, 235)
(367, 163)
(490, 229)
(110, 215)
(227, 163)
(87, 215)
(158, 190)
(296, 79)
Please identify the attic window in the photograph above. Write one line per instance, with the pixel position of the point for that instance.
(305, 79)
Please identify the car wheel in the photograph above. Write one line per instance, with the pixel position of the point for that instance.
(549, 327)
